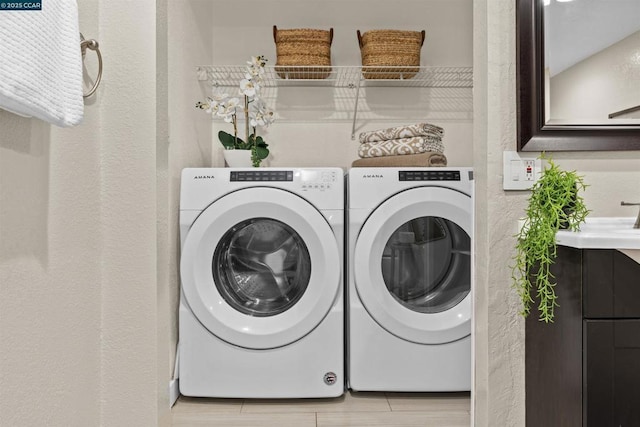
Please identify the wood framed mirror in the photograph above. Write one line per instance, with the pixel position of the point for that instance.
(538, 130)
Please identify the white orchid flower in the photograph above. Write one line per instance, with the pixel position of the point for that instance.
(213, 106)
(260, 113)
(204, 106)
(265, 118)
(226, 113)
(257, 61)
(262, 119)
(249, 88)
(256, 79)
(215, 103)
(228, 110)
(233, 102)
(269, 117)
(253, 72)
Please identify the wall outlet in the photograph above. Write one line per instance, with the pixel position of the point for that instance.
(520, 170)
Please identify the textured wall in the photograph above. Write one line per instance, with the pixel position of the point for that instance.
(190, 44)
(164, 325)
(50, 270)
(499, 340)
(49, 273)
(78, 313)
(128, 217)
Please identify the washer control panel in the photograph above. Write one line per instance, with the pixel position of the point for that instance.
(305, 179)
(261, 175)
(429, 175)
(317, 180)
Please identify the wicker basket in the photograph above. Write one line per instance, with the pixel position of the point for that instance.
(390, 48)
(303, 53)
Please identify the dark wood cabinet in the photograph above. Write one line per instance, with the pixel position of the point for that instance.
(612, 372)
(583, 370)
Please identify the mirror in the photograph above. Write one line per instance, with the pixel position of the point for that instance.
(574, 71)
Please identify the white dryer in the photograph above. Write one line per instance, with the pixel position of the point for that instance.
(410, 250)
(261, 308)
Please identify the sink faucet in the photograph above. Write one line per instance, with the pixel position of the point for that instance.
(637, 224)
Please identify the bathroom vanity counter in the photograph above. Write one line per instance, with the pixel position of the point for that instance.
(602, 233)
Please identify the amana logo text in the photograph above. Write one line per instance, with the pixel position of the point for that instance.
(203, 177)
(372, 175)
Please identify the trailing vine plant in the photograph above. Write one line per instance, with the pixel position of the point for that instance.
(555, 203)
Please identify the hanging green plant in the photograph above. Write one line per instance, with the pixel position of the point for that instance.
(554, 204)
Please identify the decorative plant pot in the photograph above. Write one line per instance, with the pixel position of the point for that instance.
(238, 158)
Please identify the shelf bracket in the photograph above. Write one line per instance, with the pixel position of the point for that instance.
(355, 109)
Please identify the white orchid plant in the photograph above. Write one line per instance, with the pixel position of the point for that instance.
(255, 110)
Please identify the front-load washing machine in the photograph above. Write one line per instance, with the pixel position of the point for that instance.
(410, 258)
(261, 308)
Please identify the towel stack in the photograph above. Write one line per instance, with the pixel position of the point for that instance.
(412, 145)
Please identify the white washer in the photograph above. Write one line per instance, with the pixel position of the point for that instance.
(410, 250)
(261, 307)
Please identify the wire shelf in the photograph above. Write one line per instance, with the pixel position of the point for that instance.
(343, 76)
(351, 77)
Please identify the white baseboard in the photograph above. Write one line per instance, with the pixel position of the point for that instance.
(174, 391)
(174, 384)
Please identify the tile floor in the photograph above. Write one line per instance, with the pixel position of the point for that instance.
(354, 409)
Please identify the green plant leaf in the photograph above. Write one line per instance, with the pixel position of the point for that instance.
(229, 141)
(262, 152)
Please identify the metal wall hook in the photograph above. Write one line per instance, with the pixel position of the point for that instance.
(93, 45)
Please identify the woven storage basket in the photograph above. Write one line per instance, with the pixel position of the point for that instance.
(390, 48)
(303, 53)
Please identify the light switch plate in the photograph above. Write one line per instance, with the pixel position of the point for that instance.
(520, 170)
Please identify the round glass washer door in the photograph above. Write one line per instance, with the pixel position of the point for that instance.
(260, 268)
(412, 265)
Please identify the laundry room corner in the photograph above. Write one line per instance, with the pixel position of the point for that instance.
(314, 127)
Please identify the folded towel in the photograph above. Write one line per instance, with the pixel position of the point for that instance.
(420, 129)
(41, 63)
(403, 146)
(410, 160)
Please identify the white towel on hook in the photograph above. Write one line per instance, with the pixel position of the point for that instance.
(41, 63)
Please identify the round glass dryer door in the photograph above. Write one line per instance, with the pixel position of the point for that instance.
(426, 264)
(412, 265)
(260, 268)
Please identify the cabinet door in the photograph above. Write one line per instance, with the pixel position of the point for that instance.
(611, 285)
(611, 386)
